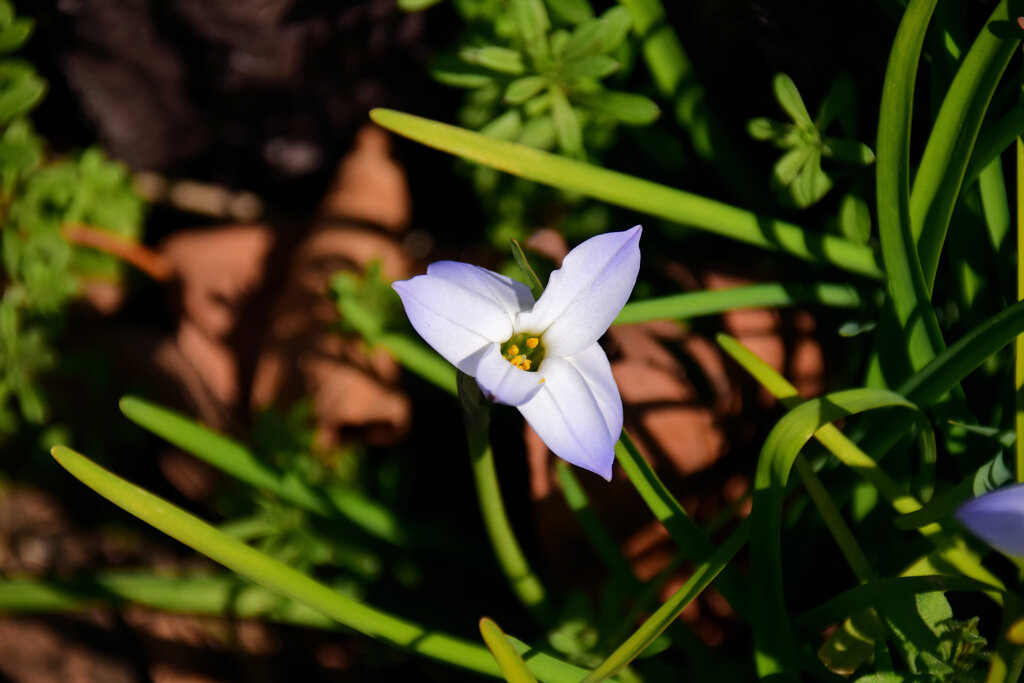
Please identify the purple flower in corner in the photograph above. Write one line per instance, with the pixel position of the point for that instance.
(997, 518)
(540, 356)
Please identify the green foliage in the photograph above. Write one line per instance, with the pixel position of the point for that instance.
(798, 175)
(39, 198)
(537, 73)
(548, 70)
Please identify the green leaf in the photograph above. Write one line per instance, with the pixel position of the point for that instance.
(508, 126)
(665, 615)
(876, 592)
(416, 5)
(848, 151)
(714, 302)
(812, 183)
(571, 11)
(692, 541)
(532, 21)
(595, 66)
(840, 103)
(789, 98)
(522, 89)
(627, 108)
(236, 460)
(280, 578)
(911, 301)
(451, 71)
(788, 167)
(499, 59)
(634, 193)
(948, 151)
(532, 281)
(765, 129)
(539, 132)
(21, 89)
(855, 219)
(617, 23)
(567, 124)
(15, 34)
(773, 635)
(598, 36)
(511, 664)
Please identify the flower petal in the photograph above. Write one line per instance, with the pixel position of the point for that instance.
(584, 296)
(592, 363)
(998, 519)
(578, 412)
(503, 382)
(455, 319)
(511, 295)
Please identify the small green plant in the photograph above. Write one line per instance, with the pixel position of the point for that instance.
(43, 200)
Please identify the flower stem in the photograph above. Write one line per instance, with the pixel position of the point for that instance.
(152, 263)
(521, 577)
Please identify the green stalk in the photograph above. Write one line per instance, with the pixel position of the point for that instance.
(665, 615)
(948, 152)
(512, 666)
(906, 281)
(598, 536)
(834, 521)
(520, 575)
(690, 538)
(993, 141)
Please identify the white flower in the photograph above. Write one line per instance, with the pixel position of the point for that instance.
(543, 356)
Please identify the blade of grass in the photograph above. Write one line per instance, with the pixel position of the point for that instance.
(420, 359)
(948, 151)
(952, 550)
(689, 538)
(282, 579)
(694, 304)
(992, 141)
(233, 458)
(634, 193)
(226, 595)
(775, 649)
(665, 615)
(512, 666)
(876, 592)
(598, 536)
(906, 282)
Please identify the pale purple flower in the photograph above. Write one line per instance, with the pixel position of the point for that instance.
(997, 518)
(543, 356)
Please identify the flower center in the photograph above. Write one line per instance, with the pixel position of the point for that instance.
(524, 351)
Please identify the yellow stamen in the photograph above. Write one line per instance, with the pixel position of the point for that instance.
(526, 364)
(518, 360)
(513, 351)
(532, 342)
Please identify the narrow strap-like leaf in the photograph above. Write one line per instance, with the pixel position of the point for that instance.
(634, 193)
